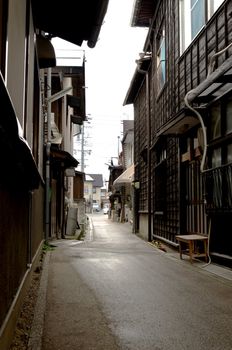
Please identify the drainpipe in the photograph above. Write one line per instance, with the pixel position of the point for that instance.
(148, 117)
(148, 156)
(48, 150)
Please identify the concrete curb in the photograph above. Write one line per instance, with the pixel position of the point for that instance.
(35, 340)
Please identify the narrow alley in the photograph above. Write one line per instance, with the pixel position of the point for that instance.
(116, 291)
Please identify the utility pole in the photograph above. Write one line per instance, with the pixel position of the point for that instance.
(118, 145)
(82, 139)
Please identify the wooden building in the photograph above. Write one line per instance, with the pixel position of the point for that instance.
(25, 51)
(182, 95)
(124, 183)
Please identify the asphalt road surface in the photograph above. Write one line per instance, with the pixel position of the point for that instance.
(115, 291)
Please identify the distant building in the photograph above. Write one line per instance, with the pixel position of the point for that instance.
(88, 192)
(123, 183)
(92, 190)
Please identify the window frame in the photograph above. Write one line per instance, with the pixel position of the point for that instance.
(220, 142)
(185, 27)
(161, 65)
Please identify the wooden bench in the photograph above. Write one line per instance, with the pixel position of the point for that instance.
(190, 240)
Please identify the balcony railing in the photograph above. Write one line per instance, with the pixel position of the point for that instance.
(218, 189)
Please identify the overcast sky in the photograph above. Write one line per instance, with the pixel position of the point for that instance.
(109, 69)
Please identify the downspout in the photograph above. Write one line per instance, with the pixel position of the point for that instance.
(48, 151)
(148, 117)
(148, 155)
(203, 129)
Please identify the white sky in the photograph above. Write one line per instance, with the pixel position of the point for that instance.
(109, 69)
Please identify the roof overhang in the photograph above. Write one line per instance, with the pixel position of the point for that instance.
(63, 159)
(76, 119)
(179, 124)
(70, 20)
(137, 81)
(218, 84)
(126, 177)
(45, 51)
(143, 12)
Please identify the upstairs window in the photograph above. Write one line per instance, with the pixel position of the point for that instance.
(213, 5)
(194, 14)
(161, 59)
(197, 16)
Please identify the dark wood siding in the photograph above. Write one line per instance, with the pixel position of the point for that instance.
(178, 193)
(140, 136)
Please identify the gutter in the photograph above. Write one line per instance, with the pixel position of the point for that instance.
(97, 27)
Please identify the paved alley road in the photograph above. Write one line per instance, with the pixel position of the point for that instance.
(115, 291)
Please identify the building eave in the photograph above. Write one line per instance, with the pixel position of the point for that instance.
(70, 21)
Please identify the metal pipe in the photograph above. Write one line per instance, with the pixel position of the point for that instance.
(148, 155)
(48, 148)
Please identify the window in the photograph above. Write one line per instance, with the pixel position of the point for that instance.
(161, 155)
(161, 59)
(216, 158)
(229, 117)
(229, 154)
(160, 188)
(220, 133)
(215, 125)
(213, 6)
(197, 16)
(193, 16)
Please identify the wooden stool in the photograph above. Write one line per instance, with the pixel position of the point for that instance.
(190, 240)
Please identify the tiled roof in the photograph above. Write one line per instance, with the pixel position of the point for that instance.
(97, 180)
